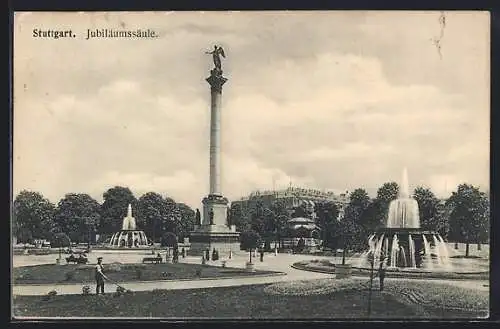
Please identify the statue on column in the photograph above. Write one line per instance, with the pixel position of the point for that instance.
(211, 216)
(228, 217)
(198, 217)
(216, 53)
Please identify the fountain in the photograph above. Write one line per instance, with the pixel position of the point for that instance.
(402, 244)
(129, 236)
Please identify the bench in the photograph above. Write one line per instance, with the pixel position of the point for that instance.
(76, 260)
(155, 260)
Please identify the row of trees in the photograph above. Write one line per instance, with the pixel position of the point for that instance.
(463, 217)
(81, 217)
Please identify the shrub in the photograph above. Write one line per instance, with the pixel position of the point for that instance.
(198, 273)
(85, 290)
(49, 295)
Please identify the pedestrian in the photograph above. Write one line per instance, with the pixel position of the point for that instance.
(183, 252)
(99, 277)
(261, 255)
(381, 275)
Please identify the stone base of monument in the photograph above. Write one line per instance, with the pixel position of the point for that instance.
(343, 271)
(210, 238)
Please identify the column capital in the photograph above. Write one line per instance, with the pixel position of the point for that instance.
(216, 80)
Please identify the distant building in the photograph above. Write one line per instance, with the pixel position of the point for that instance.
(293, 197)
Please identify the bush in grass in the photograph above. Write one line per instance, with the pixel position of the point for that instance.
(86, 290)
(49, 295)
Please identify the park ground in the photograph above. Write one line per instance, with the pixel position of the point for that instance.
(265, 297)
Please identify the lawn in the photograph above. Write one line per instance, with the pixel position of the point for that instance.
(481, 271)
(343, 299)
(72, 273)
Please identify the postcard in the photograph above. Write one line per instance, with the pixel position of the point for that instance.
(254, 165)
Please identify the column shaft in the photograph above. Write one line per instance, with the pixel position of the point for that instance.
(215, 122)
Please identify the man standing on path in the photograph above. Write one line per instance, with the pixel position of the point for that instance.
(99, 277)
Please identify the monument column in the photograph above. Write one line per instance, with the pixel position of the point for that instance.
(213, 231)
(216, 81)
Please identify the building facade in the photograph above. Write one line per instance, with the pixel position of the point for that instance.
(293, 197)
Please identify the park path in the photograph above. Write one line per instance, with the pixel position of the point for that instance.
(281, 263)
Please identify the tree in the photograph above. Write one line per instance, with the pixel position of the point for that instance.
(172, 217)
(468, 215)
(239, 217)
(376, 214)
(269, 227)
(169, 239)
(430, 211)
(302, 210)
(150, 210)
(327, 213)
(114, 208)
(281, 218)
(333, 238)
(33, 217)
(77, 215)
(60, 240)
(388, 192)
(352, 233)
(187, 220)
(250, 240)
(256, 214)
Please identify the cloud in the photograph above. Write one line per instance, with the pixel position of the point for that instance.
(361, 96)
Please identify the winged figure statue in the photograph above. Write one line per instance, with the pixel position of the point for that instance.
(216, 54)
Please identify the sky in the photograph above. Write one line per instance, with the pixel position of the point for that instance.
(327, 100)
